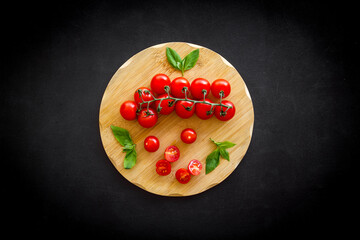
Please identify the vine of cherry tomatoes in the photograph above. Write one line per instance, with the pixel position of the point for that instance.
(165, 96)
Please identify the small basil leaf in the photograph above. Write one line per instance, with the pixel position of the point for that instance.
(191, 59)
(178, 66)
(128, 147)
(217, 143)
(122, 135)
(130, 159)
(225, 154)
(225, 144)
(173, 58)
(182, 66)
(212, 161)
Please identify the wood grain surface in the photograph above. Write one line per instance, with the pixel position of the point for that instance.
(137, 72)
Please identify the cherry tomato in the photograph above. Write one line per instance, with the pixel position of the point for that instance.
(177, 86)
(145, 96)
(194, 167)
(163, 167)
(151, 144)
(184, 109)
(128, 110)
(223, 113)
(183, 175)
(220, 85)
(172, 153)
(188, 135)
(204, 111)
(158, 82)
(147, 119)
(197, 86)
(167, 106)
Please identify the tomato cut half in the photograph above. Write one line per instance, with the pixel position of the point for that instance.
(195, 167)
(172, 153)
(163, 167)
(183, 176)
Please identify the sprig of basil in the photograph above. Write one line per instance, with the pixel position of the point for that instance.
(213, 159)
(123, 137)
(182, 64)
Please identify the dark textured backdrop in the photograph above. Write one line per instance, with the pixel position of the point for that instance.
(295, 57)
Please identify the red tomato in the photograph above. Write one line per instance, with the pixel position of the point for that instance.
(163, 167)
(177, 86)
(172, 153)
(165, 108)
(223, 113)
(184, 109)
(197, 86)
(158, 82)
(151, 144)
(183, 176)
(194, 167)
(128, 110)
(145, 96)
(204, 111)
(147, 120)
(220, 85)
(188, 135)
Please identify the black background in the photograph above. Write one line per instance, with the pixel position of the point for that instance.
(296, 179)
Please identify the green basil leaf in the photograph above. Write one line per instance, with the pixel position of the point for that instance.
(130, 159)
(122, 135)
(128, 147)
(212, 161)
(173, 58)
(225, 144)
(191, 59)
(179, 65)
(225, 154)
(182, 66)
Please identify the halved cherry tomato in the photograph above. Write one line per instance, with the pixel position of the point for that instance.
(163, 167)
(220, 85)
(223, 113)
(188, 135)
(197, 86)
(128, 110)
(151, 144)
(167, 105)
(194, 167)
(183, 175)
(172, 153)
(158, 82)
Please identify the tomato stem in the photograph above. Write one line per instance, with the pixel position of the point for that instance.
(185, 90)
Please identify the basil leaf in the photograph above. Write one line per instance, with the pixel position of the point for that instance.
(128, 147)
(173, 58)
(179, 65)
(122, 135)
(190, 60)
(182, 66)
(225, 154)
(212, 161)
(225, 144)
(130, 159)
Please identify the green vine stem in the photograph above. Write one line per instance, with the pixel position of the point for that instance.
(185, 91)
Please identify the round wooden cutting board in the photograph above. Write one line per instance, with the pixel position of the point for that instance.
(138, 72)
